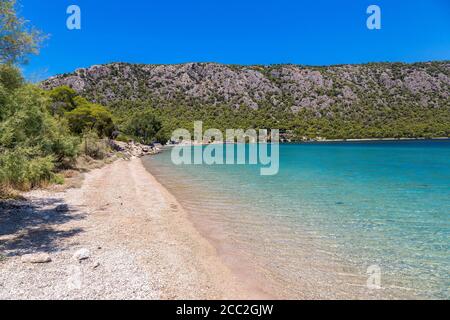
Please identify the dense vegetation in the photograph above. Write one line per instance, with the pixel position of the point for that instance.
(377, 100)
(43, 132)
(34, 144)
(360, 122)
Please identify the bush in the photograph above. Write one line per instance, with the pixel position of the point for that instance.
(123, 138)
(94, 147)
(10, 80)
(10, 77)
(32, 142)
(4, 96)
(22, 169)
(31, 126)
(60, 142)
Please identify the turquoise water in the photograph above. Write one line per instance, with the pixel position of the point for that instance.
(333, 210)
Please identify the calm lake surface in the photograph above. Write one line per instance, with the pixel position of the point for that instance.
(334, 210)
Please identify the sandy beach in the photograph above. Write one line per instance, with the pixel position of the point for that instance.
(121, 235)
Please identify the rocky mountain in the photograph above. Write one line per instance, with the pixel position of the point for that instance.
(426, 84)
(390, 92)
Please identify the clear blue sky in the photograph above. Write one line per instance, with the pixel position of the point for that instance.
(318, 32)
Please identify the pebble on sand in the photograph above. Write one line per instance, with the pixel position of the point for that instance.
(36, 258)
(82, 254)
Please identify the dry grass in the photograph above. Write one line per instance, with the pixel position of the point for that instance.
(73, 178)
(8, 193)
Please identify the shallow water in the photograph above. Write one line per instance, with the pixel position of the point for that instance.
(333, 210)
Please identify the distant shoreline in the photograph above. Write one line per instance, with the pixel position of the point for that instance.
(370, 140)
(323, 141)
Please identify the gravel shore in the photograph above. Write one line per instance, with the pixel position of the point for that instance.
(120, 236)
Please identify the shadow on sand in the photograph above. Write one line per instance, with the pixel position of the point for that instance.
(32, 226)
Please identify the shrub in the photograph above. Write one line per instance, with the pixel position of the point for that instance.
(94, 147)
(22, 169)
(10, 77)
(123, 138)
(32, 142)
(3, 102)
(31, 126)
(58, 141)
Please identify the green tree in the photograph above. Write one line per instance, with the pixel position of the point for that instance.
(30, 125)
(32, 142)
(17, 39)
(63, 99)
(88, 116)
(143, 125)
(10, 80)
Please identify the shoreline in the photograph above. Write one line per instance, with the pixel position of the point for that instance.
(372, 140)
(143, 245)
(320, 275)
(140, 243)
(195, 143)
(251, 289)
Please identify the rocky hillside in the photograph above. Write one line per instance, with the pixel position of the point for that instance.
(371, 100)
(426, 84)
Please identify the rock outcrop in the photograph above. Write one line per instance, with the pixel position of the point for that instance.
(133, 149)
(285, 86)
